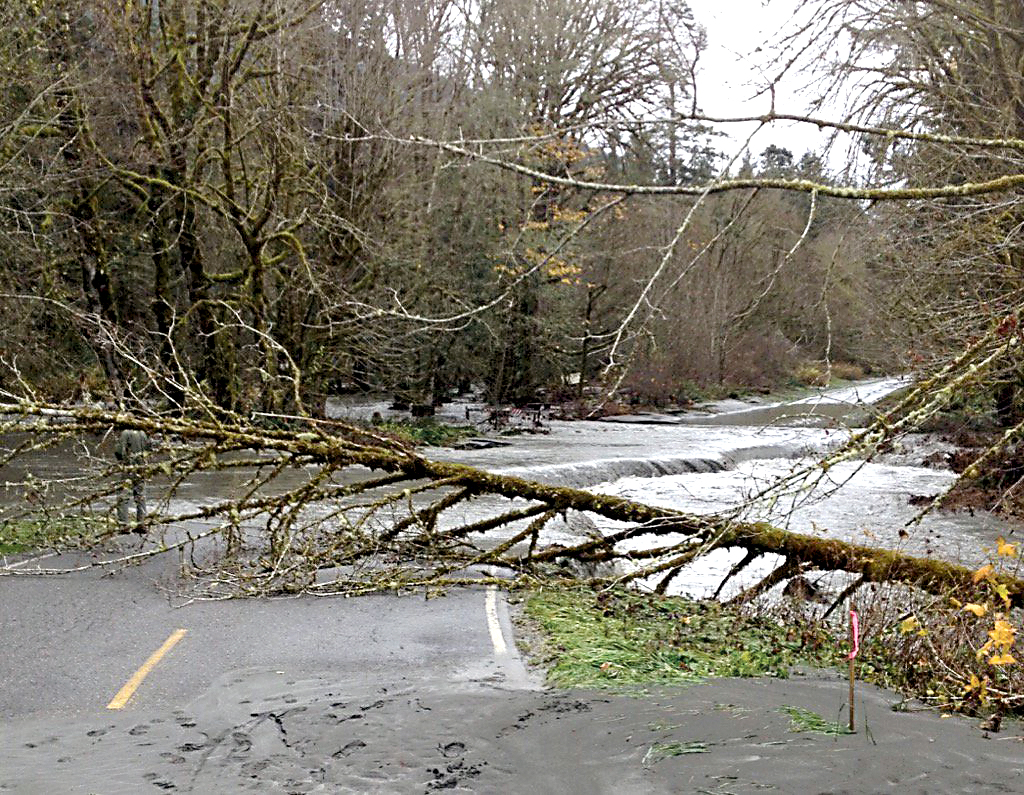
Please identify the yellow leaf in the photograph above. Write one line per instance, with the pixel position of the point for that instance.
(955, 602)
(1005, 549)
(978, 610)
(908, 625)
(978, 687)
(1002, 659)
(984, 572)
(1003, 634)
(1003, 592)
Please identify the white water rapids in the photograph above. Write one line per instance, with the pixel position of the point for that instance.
(715, 462)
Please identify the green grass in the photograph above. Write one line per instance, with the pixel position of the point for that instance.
(660, 751)
(24, 535)
(428, 432)
(804, 720)
(622, 638)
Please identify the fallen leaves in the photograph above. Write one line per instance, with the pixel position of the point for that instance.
(909, 625)
(1000, 640)
(1005, 549)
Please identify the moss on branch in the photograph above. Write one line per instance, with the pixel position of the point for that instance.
(348, 446)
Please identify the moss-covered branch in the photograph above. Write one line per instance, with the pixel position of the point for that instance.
(406, 528)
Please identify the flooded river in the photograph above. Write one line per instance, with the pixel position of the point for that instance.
(704, 461)
(713, 462)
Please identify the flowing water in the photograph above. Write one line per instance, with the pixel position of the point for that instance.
(700, 462)
(713, 462)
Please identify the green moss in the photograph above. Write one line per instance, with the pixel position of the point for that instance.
(59, 531)
(619, 637)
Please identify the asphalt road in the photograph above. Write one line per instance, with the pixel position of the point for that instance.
(388, 694)
(399, 695)
(70, 643)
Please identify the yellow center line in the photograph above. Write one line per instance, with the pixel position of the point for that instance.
(132, 684)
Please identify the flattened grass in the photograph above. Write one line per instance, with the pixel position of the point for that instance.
(620, 637)
(804, 720)
(660, 751)
(25, 535)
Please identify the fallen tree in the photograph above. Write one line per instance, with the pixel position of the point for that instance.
(325, 496)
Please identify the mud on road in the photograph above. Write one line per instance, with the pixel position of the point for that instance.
(256, 731)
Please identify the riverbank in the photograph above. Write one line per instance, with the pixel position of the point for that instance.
(841, 403)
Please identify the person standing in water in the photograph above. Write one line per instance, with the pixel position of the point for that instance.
(130, 451)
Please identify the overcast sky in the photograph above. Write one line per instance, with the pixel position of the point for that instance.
(732, 69)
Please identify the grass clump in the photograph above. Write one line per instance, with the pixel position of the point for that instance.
(660, 751)
(427, 432)
(621, 637)
(804, 720)
(25, 535)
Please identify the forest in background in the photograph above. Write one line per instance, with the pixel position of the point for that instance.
(236, 193)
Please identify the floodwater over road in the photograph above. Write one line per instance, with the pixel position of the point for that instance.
(725, 457)
(719, 457)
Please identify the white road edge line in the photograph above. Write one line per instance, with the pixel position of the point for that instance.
(491, 608)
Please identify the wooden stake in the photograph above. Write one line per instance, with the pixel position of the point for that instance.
(853, 645)
(852, 729)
